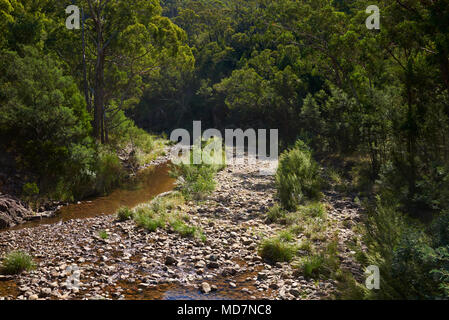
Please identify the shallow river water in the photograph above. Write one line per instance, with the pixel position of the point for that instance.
(147, 184)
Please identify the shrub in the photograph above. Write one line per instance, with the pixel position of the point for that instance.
(162, 213)
(311, 216)
(185, 230)
(405, 255)
(335, 176)
(306, 245)
(286, 236)
(275, 214)
(297, 177)
(30, 189)
(322, 264)
(146, 219)
(44, 120)
(314, 209)
(311, 266)
(277, 250)
(109, 171)
(197, 179)
(124, 213)
(162, 205)
(16, 262)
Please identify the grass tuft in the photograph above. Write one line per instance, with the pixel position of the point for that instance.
(277, 250)
(16, 262)
(103, 234)
(275, 214)
(124, 214)
(162, 213)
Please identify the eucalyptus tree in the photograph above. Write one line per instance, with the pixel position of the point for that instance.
(126, 43)
(5, 18)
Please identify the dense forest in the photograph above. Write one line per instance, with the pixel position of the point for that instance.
(370, 106)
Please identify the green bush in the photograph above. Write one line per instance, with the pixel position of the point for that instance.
(407, 257)
(146, 219)
(124, 213)
(16, 262)
(311, 266)
(306, 245)
(110, 172)
(286, 236)
(43, 118)
(312, 215)
(162, 213)
(323, 264)
(277, 250)
(30, 189)
(183, 229)
(297, 177)
(275, 214)
(197, 179)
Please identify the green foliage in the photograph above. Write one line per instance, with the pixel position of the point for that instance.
(185, 230)
(162, 213)
(278, 249)
(30, 189)
(103, 234)
(297, 177)
(109, 171)
(310, 68)
(314, 210)
(43, 118)
(311, 265)
(124, 214)
(146, 219)
(275, 214)
(306, 245)
(406, 256)
(286, 236)
(197, 180)
(324, 264)
(16, 262)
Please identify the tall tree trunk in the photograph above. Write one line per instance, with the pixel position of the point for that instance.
(411, 145)
(99, 88)
(86, 85)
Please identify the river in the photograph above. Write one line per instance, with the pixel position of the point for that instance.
(147, 184)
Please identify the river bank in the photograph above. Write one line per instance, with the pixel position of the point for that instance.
(135, 264)
(14, 212)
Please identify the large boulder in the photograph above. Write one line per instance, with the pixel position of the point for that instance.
(12, 211)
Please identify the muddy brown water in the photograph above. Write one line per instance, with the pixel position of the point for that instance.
(147, 184)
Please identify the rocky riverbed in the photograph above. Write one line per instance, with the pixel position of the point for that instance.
(135, 264)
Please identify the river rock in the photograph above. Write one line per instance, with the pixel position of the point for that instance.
(6, 277)
(213, 265)
(205, 288)
(262, 276)
(169, 261)
(200, 264)
(12, 211)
